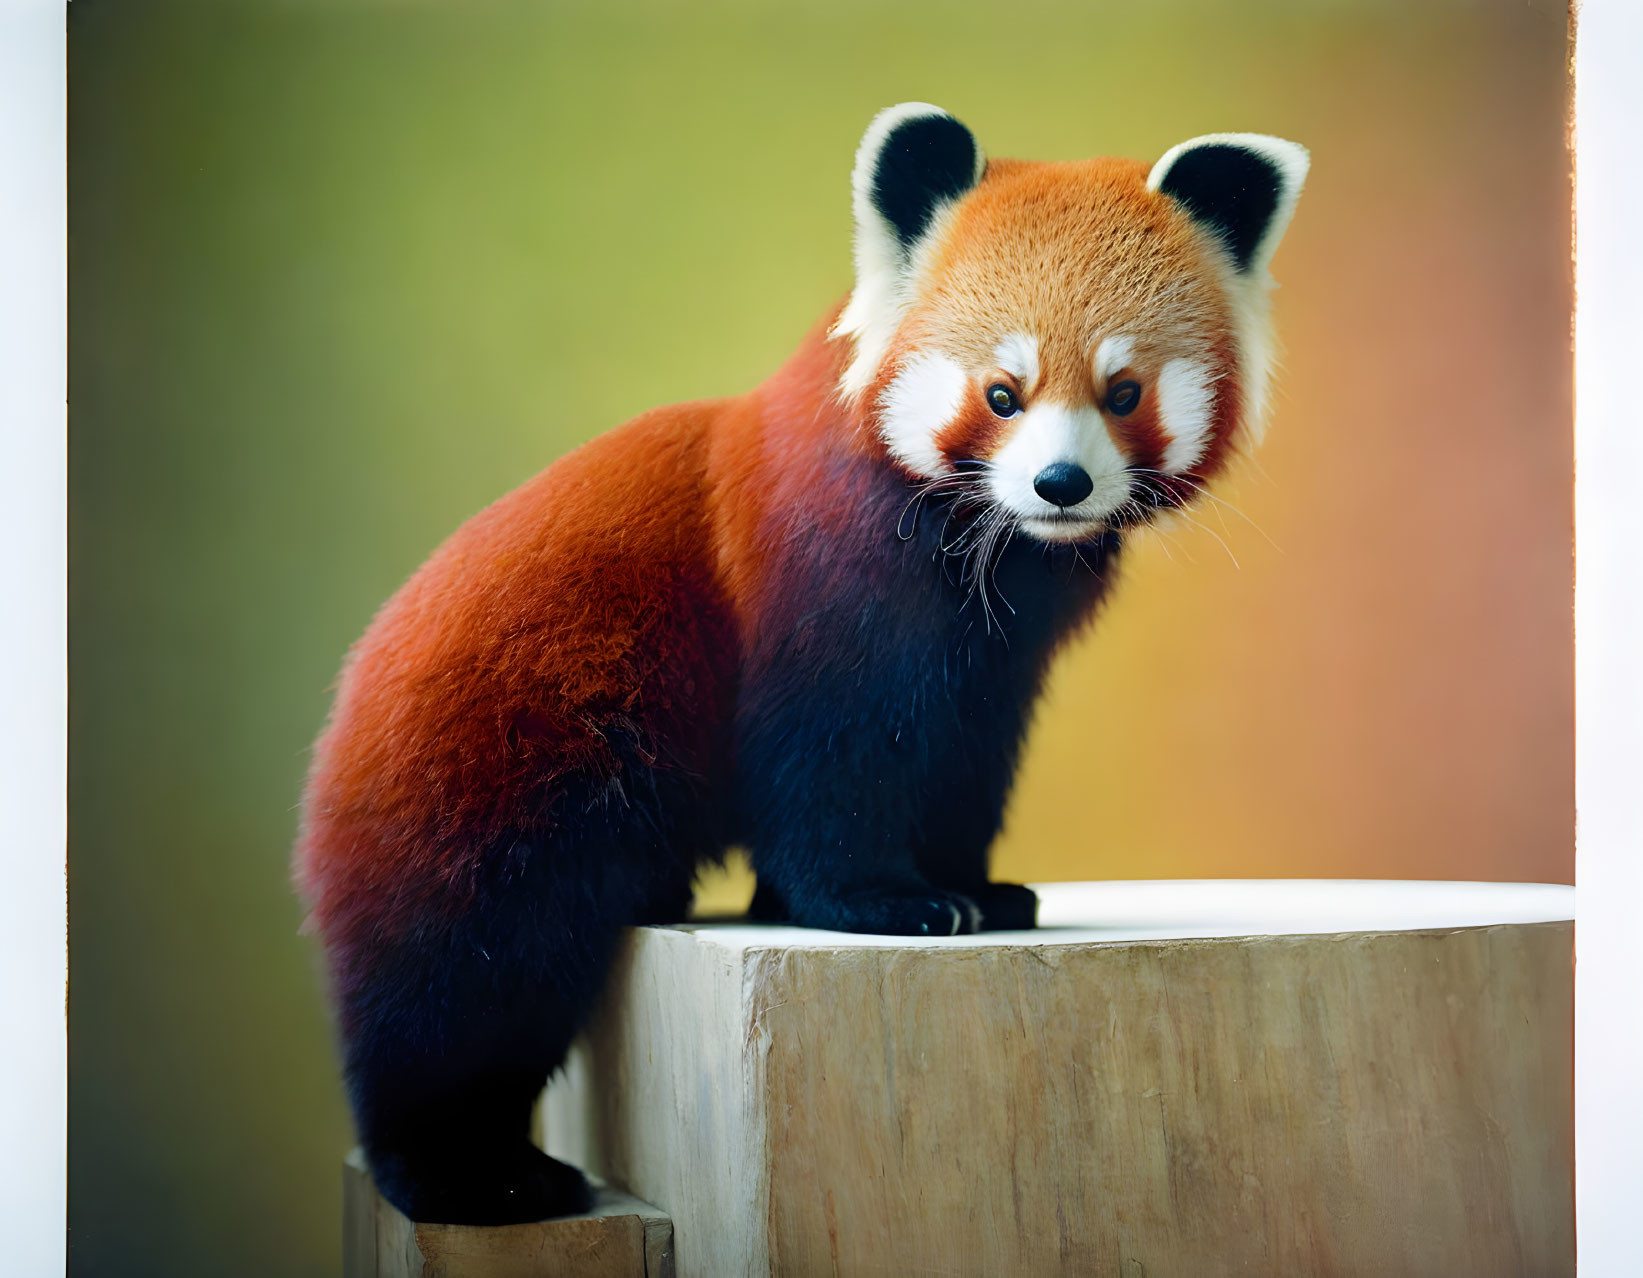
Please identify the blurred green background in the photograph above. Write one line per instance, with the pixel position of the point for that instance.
(341, 273)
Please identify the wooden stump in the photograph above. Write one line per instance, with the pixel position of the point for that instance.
(1244, 1078)
(620, 1238)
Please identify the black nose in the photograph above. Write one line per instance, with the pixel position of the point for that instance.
(1063, 483)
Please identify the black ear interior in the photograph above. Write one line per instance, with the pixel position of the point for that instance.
(924, 161)
(1231, 190)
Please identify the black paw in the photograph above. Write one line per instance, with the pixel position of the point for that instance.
(929, 912)
(1006, 907)
(522, 1186)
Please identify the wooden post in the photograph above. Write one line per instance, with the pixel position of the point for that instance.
(620, 1238)
(1276, 1079)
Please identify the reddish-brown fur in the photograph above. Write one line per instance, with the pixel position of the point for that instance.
(615, 584)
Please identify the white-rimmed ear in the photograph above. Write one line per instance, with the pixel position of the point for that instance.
(913, 163)
(1241, 186)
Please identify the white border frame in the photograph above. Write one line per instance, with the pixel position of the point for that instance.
(34, 640)
(1608, 637)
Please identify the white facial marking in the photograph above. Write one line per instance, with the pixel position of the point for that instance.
(1186, 406)
(1114, 353)
(924, 397)
(1017, 355)
(1050, 433)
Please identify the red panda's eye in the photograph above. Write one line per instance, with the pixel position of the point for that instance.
(1001, 399)
(1122, 398)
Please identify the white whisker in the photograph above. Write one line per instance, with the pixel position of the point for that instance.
(1220, 502)
(1166, 540)
(1206, 528)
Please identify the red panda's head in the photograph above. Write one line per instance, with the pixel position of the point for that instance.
(1085, 341)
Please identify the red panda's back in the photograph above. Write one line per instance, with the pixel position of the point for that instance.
(572, 624)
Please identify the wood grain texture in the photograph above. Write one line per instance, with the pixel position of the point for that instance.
(621, 1237)
(1336, 1104)
(671, 1099)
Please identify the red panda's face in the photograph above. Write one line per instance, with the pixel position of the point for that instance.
(1080, 344)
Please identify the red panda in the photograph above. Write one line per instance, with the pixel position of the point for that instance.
(809, 620)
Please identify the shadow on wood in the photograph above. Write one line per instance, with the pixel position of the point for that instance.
(620, 1238)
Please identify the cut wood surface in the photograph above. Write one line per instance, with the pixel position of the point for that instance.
(620, 1238)
(1183, 1079)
